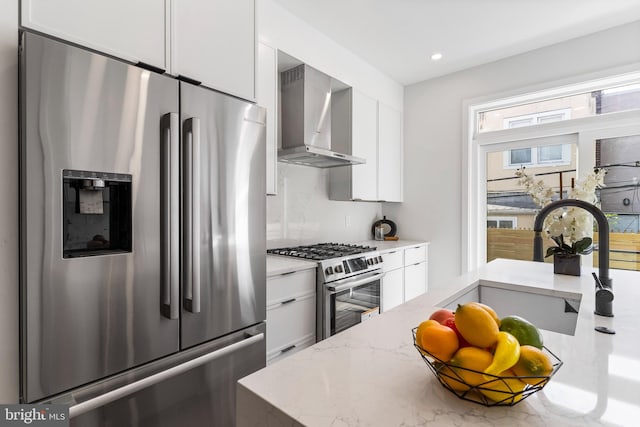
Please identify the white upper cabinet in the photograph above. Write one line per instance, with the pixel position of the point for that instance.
(210, 41)
(362, 126)
(214, 42)
(266, 96)
(132, 30)
(389, 154)
(364, 144)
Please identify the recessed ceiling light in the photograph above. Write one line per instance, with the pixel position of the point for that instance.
(436, 56)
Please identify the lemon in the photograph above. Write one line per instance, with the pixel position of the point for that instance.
(476, 325)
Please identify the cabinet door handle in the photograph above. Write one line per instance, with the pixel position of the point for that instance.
(291, 347)
(288, 301)
(288, 272)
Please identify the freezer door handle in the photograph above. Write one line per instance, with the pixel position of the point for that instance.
(170, 213)
(191, 217)
(119, 393)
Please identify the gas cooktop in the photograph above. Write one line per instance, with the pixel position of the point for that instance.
(322, 251)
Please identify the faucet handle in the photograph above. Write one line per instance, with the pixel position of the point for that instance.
(604, 296)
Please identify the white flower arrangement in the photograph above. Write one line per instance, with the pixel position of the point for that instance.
(570, 228)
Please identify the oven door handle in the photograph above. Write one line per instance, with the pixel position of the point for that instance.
(342, 285)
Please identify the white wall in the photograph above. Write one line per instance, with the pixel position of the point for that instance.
(9, 201)
(278, 28)
(433, 130)
(301, 212)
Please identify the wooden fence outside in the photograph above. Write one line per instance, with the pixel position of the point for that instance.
(518, 244)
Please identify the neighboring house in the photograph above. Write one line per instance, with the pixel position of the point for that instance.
(621, 157)
(508, 206)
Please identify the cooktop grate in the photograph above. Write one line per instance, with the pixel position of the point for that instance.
(322, 251)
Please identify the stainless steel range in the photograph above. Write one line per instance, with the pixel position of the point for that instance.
(348, 283)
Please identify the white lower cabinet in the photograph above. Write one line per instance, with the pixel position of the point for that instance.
(415, 280)
(406, 272)
(392, 289)
(415, 271)
(291, 313)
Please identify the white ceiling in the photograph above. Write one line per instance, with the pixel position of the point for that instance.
(399, 36)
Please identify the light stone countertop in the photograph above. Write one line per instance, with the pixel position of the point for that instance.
(280, 264)
(387, 245)
(371, 375)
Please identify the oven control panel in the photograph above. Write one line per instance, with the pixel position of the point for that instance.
(340, 268)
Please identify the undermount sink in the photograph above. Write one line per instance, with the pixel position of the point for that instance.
(557, 312)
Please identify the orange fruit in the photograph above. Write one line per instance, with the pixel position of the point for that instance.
(420, 331)
(473, 358)
(533, 362)
(476, 325)
(439, 340)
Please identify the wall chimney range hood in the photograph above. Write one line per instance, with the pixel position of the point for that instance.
(306, 120)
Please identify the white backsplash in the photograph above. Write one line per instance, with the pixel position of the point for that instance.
(302, 213)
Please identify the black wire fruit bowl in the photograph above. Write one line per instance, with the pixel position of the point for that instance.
(490, 390)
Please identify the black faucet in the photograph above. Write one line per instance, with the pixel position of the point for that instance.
(604, 293)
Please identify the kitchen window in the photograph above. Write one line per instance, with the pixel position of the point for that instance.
(535, 130)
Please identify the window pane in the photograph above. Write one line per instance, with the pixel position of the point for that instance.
(550, 153)
(620, 199)
(606, 100)
(511, 211)
(520, 156)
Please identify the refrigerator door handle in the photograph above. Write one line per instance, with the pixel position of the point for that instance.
(191, 222)
(119, 393)
(170, 211)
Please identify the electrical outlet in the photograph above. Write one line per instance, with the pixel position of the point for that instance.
(347, 221)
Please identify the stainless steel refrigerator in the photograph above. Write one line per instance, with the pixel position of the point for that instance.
(142, 232)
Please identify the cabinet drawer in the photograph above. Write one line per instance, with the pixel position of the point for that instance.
(290, 285)
(392, 260)
(415, 255)
(415, 280)
(290, 322)
(280, 354)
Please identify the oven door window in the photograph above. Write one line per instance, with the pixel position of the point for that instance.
(352, 306)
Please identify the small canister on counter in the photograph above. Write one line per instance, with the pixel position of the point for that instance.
(383, 229)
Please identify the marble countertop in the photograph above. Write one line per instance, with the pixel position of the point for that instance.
(280, 264)
(387, 245)
(372, 375)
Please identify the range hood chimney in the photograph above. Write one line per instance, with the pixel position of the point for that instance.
(306, 120)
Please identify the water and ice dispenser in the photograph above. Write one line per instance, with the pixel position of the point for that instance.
(96, 213)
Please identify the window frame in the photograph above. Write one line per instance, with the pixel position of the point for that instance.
(475, 145)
